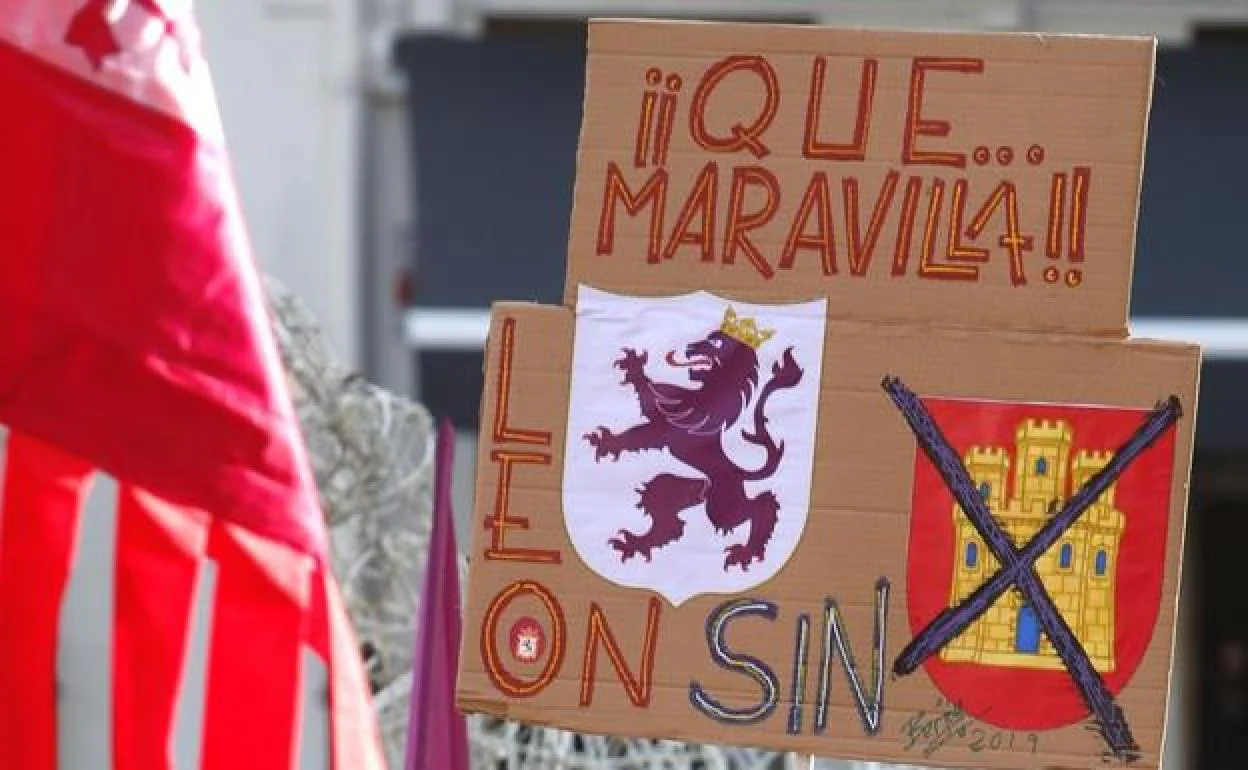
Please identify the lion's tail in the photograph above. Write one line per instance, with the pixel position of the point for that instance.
(784, 374)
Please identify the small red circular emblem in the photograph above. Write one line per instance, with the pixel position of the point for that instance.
(527, 640)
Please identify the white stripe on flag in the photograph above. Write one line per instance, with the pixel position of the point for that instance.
(85, 649)
(314, 737)
(84, 657)
(85, 654)
(189, 716)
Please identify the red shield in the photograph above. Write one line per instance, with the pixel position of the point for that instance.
(987, 686)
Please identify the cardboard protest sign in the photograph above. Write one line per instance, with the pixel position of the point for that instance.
(838, 445)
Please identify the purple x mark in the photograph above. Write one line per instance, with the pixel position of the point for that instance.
(1018, 564)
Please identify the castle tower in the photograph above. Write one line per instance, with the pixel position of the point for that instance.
(1104, 528)
(1043, 454)
(1085, 465)
(989, 468)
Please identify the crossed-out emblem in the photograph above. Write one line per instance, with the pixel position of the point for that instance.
(1018, 564)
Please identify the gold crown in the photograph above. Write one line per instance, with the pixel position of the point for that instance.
(744, 330)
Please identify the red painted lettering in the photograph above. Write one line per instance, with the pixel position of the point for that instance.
(928, 266)
(645, 119)
(859, 247)
(1014, 242)
(637, 687)
(956, 251)
(905, 229)
(508, 683)
(502, 520)
(616, 190)
(700, 203)
(503, 433)
(1057, 208)
(917, 125)
(736, 236)
(816, 201)
(740, 136)
(1080, 181)
(856, 149)
(666, 120)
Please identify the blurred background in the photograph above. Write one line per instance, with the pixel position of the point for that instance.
(404, 163)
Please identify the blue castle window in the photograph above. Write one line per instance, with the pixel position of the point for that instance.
(1027, 635)
(1042, 466)
(1065, 556)
(972, 555)
(985, 490)
(1102, 563)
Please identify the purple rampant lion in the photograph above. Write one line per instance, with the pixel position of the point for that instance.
(689, 422)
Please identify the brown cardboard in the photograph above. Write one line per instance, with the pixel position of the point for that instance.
(616, 585)
(1083, 101)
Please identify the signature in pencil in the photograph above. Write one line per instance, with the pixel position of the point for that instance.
(932, 729)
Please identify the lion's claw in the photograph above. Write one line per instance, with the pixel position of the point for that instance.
(631, 357)
(741, 555)
(632, 363)
(604, 443)
(629, 545)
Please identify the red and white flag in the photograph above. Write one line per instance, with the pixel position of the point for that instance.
(134, 341)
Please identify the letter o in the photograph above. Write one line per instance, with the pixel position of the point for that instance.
(508, 683)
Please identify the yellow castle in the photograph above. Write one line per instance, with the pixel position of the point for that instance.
(1078, 571)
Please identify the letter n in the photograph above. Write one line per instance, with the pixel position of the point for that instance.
(638, 687)
(868, 696)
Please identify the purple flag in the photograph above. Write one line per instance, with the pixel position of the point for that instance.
(437, 736)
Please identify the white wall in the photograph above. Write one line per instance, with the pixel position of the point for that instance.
(85, 649)
(284, 77)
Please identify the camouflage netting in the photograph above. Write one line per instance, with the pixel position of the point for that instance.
(373, 456)
(372, 453)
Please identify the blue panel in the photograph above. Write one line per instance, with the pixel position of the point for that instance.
(1065, 556)
(1195, 185)
(972, 555)
(495, 124)
(1102, 562)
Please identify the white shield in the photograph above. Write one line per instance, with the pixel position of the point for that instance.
(698, 500)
